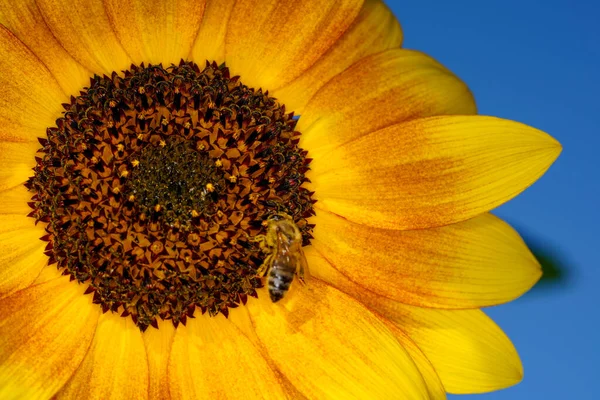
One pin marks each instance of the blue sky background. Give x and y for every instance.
(537, 62)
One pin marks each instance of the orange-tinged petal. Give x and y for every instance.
(469, 352)
(241, 319)
(16, 161)
(212, 359)
(435, 388)
(156, 31)
(21, 253)
(158, 344)
(330, 346)
(210, 42)
(374, 30)
(381, 90)
(24, 20)
(470, 264)
(30, 98)
(431, 171)
(84, 30)
(272, 42)
(45, 332)
(115, 366)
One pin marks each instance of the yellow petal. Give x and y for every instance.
(24, 20)
(21, 253)
(381, 90)
(14, 200)
(16, 161)
(158, 344)
(272, 42)
(435, 388)
(469, 352)
(156, 31)
(374, 30)
(432, 171)
(84, 30)
(212, 359)
(470, 264)
(210, 42)
(30, 98)
(45, 332)
(115, 366)
(330, 347)
(48, 273)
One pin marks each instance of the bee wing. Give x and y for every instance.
(303, 270)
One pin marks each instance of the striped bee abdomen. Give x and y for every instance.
(280, 280)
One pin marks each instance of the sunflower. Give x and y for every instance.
(170, 153)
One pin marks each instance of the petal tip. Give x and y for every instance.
(514, 376)
(550, 145)
(532, 274)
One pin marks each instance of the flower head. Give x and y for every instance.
(199, 240)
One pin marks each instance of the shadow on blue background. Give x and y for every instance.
(557, 273)
(537, 62)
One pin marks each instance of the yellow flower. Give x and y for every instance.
(390, 182)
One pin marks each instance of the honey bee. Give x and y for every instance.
(285, 258)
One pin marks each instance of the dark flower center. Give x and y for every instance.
(174, 182)
(152, 185)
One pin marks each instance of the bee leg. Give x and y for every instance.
(262, 270)
(300, 275)
(257, 238)
(262, 242)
